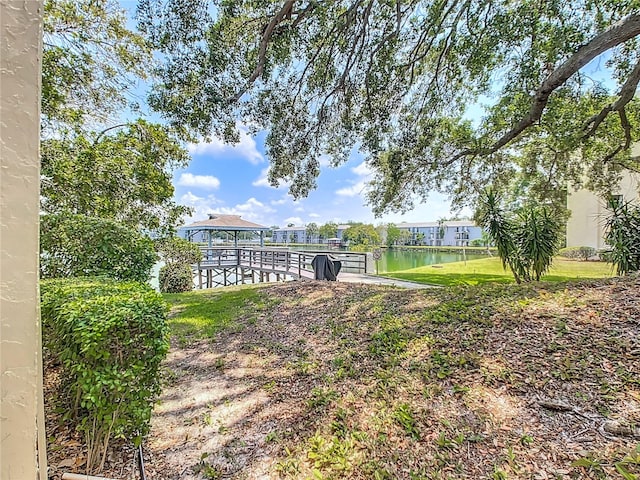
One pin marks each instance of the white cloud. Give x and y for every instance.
(202, 206)
(207, 182)
(262, 181)
(352, 191)
(252, 210)
(246, 148)
(282, 201)
(324, 160)
(251, 205)
(297, 221)
(314, 215)
(362, 170)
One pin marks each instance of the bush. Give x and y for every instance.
(526, 239)
(578, 253)
(77, 246)
(175, 278)
(179, 250)
(110, 339)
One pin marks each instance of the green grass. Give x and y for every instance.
(202, 314)
(486, 270)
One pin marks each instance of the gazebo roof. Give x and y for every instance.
(227, 223)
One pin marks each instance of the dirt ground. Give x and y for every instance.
(325, 383)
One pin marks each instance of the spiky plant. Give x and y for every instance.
(622, 234)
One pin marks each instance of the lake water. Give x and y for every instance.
(396, 259)
(393, 260)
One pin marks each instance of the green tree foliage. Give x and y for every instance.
(178, 250)
(399, 79)
(312, 231)
(393, 234)
(622, 236)
(328, 230)
(361, 235)
(91, 62)
(123, 174)
(79, 246)
(526, 240)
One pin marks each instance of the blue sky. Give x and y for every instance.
(232, 179)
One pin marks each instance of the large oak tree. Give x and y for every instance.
(400, 80)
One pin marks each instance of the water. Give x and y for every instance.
(393, 260)
(396, 259)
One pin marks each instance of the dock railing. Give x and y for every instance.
(296, 263)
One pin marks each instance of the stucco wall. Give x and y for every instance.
(588, 211)
(22, 447)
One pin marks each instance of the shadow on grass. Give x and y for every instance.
(335, 377)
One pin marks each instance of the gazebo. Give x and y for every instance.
(223, 223)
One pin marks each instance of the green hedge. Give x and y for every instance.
(175, 278)
(110, 338)
(578, 253)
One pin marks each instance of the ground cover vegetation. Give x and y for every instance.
(335, 380)
(400, 80)
(490, 270)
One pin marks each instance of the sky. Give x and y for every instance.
(232, 179)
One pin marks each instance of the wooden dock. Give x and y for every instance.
(222, 266)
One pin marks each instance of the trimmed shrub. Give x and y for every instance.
(110, 339)
(175, 278)
(578, 253)
(78, 246)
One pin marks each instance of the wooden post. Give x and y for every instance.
(200, 276)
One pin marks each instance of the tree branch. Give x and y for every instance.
(627, 91)
(626, 29)
(286, 10)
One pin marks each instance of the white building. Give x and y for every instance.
(454, 233)
(585, 227)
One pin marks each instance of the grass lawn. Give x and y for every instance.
(485, 270)
(202, 314)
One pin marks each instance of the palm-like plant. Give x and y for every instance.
(526, 241)
(500, 231)
(622, 234)
(537, 237)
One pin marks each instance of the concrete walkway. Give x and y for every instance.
(375, 280)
